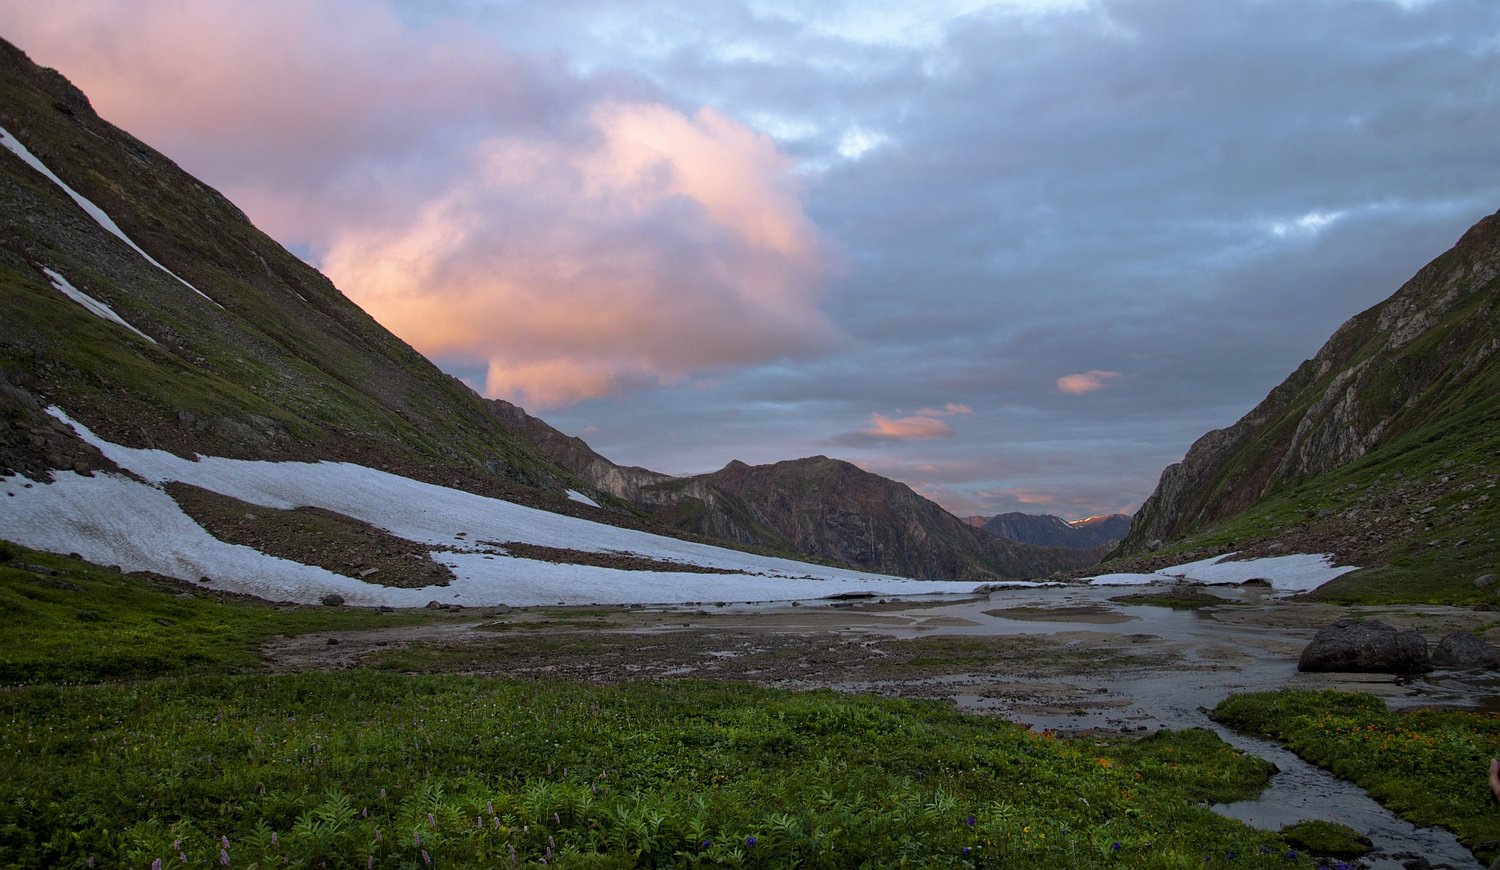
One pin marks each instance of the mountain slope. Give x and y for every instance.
(234, 347)
(818, 507)
(1384, 448)
(1051, 531)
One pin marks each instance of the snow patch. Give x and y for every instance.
(94, 306)
(1302, 572)
(87, 205)
(111, 519)
(575, 495)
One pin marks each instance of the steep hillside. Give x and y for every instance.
(1383, 449)
(1051, 531)
(147, 305)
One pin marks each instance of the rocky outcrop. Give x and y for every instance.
(1431, 347)
(1365, 646)
(1463, 651)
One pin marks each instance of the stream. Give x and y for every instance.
(1216, 659)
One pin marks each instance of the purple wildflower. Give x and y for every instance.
(431, 821)
(224, 857)
(182, 856)
(966, 850)
(370, 864)
(1115, 845)
(491, 806)
(969, 821)
(275, 841)
(377, 835)
(426, 858)
(416, 839)
(750, 842)
(224, 841)
(156, 864)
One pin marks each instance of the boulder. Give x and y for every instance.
(1484, 581)
(1365, 646)
(333, 599)
(1463, 651)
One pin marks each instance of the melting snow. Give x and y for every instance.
(111, 519)
(93, 305)
(87, 205)
(1296, 573)
(575, 495)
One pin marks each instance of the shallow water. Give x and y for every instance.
(1219, 659)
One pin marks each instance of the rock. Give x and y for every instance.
(1365, 646)
(1484, 581)
(333, 599)
(1463, 651)
(433, 605)
(369, 572)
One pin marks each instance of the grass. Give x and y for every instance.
(363, 766)
(1428, 766)
(69, 621)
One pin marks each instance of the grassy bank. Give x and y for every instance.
(1428, 766)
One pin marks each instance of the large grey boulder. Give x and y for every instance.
(1365, 646)
(1463, 651)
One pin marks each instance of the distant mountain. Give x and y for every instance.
(818, 507)
(1045, 530)
(1384, 448)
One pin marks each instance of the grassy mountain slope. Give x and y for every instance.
(1384, 449)
(276, 363)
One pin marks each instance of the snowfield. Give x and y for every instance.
(1298, 573)
(114, 520)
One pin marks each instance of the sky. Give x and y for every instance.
(1017, 254)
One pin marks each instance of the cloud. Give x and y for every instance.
(571, 236)
(661, 245)
(948, 410)
(1085, 382)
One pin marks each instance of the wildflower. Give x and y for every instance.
(431, 821)
(551, 844)
(275, 841)
(966, 850)
(382, 792)
(1115, 845)
(182, 856)
(370, 864)
(750, 842)
(224, 857)
(156, 864)
(703, 845)
(426, 858)
(416, 839)
(490, 805)
(557, 819)
(377, 835)
(224, 842)
(1292, 855)
(969, 821)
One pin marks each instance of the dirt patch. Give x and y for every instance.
(617, 561)
(314, 536)
(1178, 599)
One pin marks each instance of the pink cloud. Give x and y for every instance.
(906, 428)
(1085, 382)
(570, 235)
(949, 410)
